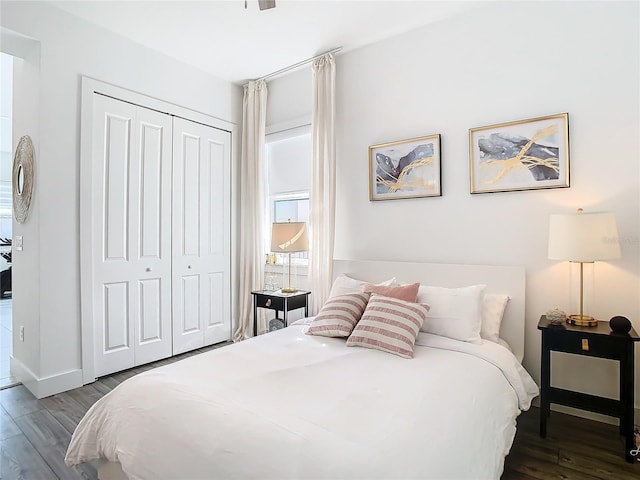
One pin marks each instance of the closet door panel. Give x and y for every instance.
(114, 307)
(216, 220)
(132, 231)
(201, 235)
(187, 327)
(151, 226)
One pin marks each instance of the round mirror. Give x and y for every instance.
(20, 185)
(23, 178)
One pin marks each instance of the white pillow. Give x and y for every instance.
(492, 311)
(455, 312)
(345, 284)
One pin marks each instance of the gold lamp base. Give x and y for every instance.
(289, 290)
(582, 321)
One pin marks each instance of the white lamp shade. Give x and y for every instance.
(289, 237)
(583, 237)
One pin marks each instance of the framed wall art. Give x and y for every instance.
(405, 169)
(523, 155)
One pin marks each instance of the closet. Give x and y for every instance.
(159, 226)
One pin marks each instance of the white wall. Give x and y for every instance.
(506, 61)
(25, 271)
(289, 100)
(70, 48)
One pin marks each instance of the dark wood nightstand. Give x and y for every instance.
(599, 342)
(280, 302)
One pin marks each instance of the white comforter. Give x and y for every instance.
(292, 406)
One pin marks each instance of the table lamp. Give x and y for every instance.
(583, 238)
(289, 237)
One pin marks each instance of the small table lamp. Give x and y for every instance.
(289, 237)
(583, 238)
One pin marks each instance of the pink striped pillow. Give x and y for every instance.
(339, 315)
(390, 325)
(408, 293)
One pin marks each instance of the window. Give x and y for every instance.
(295, 208)
(288, 179)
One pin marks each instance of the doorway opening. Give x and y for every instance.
(6, 219)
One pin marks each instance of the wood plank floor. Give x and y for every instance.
(34, 435)
(575, 448)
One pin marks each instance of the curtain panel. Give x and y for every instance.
(323, 183)
(251, 221)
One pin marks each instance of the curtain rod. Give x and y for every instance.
(296, 65)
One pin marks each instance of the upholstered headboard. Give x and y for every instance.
(498, 279)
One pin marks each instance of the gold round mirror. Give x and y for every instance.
(23, 178)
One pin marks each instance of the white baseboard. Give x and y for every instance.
(46, 386)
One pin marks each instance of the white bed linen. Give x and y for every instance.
(290, 405)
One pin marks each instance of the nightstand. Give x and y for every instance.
(599, 342)
(280, 302)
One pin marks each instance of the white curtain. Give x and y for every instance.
(323, 182)
(251, 217)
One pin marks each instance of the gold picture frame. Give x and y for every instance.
(405, 169)
(527, 154)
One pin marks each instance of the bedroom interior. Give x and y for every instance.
(473, 65)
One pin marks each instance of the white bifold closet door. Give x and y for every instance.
(201, 235)
(160, 235)
(131, 226)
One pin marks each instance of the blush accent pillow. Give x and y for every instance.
(493, 308)
(455, 312)
(345, 284)
(408, 293)
(339, 315)
(390, 325)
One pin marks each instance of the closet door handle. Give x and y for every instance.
(148, 269)
(189, 266)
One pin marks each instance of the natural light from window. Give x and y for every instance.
(288, 179)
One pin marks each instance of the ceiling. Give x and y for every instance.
(236, 44)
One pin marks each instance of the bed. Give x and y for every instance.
(287, 405)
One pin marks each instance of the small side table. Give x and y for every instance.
(599, 342)
(280, 302)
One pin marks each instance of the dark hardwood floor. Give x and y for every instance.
(575, 448)
(34, 435)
